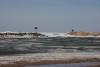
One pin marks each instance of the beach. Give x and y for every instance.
(47, 58)
(48, 51)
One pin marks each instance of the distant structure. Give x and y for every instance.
(73, 30)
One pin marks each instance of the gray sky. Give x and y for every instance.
(50, 15)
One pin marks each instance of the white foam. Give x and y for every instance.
(53, 34)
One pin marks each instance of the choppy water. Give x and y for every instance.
(44, 45)
(49, 45)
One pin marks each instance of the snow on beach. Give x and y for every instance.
(46, 56)
(8, 34)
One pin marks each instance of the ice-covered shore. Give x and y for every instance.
(37, 57)
(42, 34)
(55, 34)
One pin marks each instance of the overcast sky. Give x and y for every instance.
(50, 15)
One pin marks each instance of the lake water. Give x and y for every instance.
(49, 45)
(46, 45)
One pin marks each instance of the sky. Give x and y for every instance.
(50, 15)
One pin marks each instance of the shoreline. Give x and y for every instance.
(47, 62)
(46, 58)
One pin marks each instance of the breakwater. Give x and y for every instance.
(19, 35)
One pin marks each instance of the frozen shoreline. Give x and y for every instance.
(19, 35)
(46, 56)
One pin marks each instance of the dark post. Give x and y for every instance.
(72, 34)
(72, 30)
